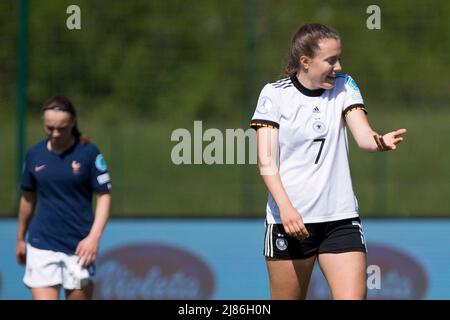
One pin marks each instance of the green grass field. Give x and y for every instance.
(412, 181)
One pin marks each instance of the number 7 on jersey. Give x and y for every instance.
(322, 141)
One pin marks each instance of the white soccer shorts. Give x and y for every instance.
(46, 268)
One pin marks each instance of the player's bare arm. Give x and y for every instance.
(88, 247)
(292, 221)
(26, 210)
(367, 139)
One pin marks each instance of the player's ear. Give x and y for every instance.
(304, 62)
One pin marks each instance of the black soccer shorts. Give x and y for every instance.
(325, 237)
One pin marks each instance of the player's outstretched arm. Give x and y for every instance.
(390, 140)
(369, 140)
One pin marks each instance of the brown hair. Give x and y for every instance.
(64, 104)
(305, 43)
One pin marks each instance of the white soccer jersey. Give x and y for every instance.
(313, 146)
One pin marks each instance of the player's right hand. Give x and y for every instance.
(21, 248)
(293, 223)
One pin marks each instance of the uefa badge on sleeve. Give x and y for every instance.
(352, 83)
(100, 163)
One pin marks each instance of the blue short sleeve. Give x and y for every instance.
(100, 179)
(28, 182)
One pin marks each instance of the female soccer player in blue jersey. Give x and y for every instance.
(312, 211)
(60, 176)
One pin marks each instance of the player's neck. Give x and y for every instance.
(305, 81)
(57, 148)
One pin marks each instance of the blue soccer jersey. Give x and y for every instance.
(64, 184)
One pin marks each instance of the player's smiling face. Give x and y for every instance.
(320, 71)
(58, 126)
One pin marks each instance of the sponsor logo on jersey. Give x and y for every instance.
(76, 166)
(281, 244)
(39, 168)
(100, 163)
(316, 110)
(319, 126)
(264, 105)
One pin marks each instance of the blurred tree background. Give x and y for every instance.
(139, 69)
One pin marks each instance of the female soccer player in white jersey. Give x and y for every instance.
(60, 176)
(312, 211)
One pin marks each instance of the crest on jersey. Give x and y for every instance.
(319, 126)
(264, 105)
(76, 166)
(281, 244)
(352, 83)
(100, 163)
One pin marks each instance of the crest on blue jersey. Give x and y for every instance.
(100, 163)
(352, 83)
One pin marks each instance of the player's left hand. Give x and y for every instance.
(87, 251)
(390, 140)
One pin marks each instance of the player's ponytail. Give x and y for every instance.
(76, 132)
(305, 43)
(63, 103)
